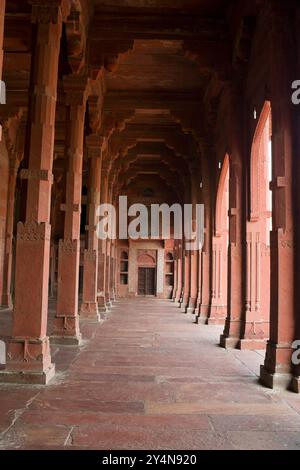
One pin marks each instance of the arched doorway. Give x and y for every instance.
(146, 274)
(259, 225)
(218, 308)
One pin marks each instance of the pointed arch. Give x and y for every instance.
(263, 130)
(220, 196)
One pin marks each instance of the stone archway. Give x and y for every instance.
(258, 236)
(218, 309)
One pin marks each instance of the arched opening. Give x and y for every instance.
(259, 225)
(218, 308)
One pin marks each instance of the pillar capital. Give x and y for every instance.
(50, 11)
(77, 88)
(95, 144)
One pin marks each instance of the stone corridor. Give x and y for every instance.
(146, 378)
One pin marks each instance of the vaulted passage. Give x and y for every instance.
(148, 379)
(149, 219)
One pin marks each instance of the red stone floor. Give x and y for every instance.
(147, 378)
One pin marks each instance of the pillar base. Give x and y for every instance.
(215, 321)
(192, 317)
(277, 380)
(228, 343)
(295, 384)
(203, 314)
(66, 331)
(90, 312)
(190, 310)
(217, 315)
(28, 362)
(66, 340)
(6, 302)
(252, 344)
(28, 378)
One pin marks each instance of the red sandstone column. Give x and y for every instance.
(66, 324)
(194, 258)
(277, 367)
(187, 281)
(175, 270)
(2, 15)
(89, 308)
(109, 249)
(103, 308)
(28, 358)
(194, 282)
(218, 308)
(203, 312)
(296, 369)
(179, 275)
(235, 319)
(6, 299)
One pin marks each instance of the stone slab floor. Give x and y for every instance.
(147, 378)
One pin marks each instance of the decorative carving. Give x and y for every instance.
(69, 246)
(49, 11)
(33, 231)
(90, 255)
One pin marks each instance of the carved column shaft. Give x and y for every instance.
(102, 247)
(29, 357)
(89, 307)
(6, 299)
(179, 275)
(205, 263)
(187, 280)
(66, 325)
(2, 16)
(278, 366)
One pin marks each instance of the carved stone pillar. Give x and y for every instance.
(296, 368)
(194, 282)
(187, 281)
(179, 275)
(2, 16)
(89, 308)
(102, 307)
(218, 308)
(160, 272)
(194, 258)
(277, 368)
(6, 299)
(28, 358)
(66, 324)
(175, 271)
(237, 228)
(203, 312)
